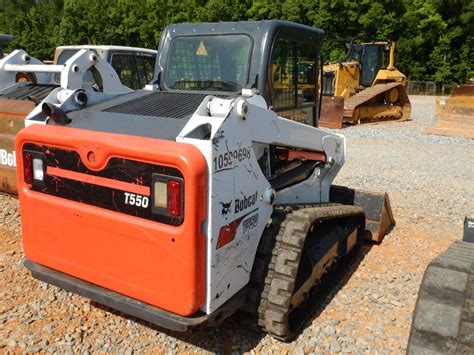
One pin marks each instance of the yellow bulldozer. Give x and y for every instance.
(364, 87)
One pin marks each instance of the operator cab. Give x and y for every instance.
(372, 56)
(278, 59)
(134, 66)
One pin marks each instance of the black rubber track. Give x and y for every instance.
(443, 321)
(276, 267)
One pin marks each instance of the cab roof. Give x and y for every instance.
(254, 28)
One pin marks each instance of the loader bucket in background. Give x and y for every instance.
(456, 113)
(12, 120)
(332, 112)
(376, 205)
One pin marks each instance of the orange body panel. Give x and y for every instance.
(156, 263)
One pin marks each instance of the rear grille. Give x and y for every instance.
(38, 91)
(161, 104)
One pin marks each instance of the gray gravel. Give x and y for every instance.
(431, 187)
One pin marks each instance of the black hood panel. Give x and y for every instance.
(161, 104)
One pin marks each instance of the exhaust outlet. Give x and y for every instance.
(56, 114)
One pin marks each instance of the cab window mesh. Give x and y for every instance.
(126, 68)
(208, 63)
(294, 78)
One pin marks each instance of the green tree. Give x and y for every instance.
(35, 25)
(435, 37)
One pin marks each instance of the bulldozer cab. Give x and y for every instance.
(278, 59)
(372, 57)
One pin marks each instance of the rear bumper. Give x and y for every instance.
(116, 300)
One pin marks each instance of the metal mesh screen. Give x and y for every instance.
(38, 91)
(161, 104)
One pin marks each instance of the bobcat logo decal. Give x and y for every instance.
(226, 207)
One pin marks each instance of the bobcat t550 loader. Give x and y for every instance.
(186, 204)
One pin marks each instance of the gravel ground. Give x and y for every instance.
(431, 187)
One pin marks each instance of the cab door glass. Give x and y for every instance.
(370, 65)
(293, 76)
(283, 75)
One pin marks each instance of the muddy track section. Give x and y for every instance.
(278, 260)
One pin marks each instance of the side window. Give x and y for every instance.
(370, 64)
(385, 57)
(126, 68)
(145, 67)
(356, 52)
(293, 75)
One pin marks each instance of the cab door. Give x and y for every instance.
(293, 77)
(370, 64)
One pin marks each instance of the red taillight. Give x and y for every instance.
(28, 168)
(174, 198)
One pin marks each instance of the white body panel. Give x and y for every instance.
(238, 191)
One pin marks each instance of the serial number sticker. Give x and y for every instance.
(136, 200)
(231, 157)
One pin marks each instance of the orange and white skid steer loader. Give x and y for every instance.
(25, 81)
(183, 205)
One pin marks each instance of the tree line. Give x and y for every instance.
(435, 37)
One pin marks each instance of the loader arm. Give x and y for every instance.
(71, 95)
(19, 61)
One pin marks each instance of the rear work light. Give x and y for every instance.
(38, 169)
(34, 168)
(168, 195)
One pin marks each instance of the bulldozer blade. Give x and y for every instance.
(376, 205)
(332, 112)
(456, 113)
(12, 120)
